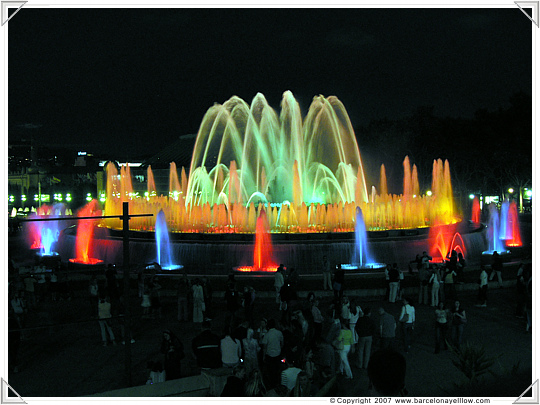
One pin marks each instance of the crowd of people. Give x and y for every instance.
(302, 348)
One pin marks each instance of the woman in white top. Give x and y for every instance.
(482, 293)
(407, 319)
(355, 312)
(435, 281)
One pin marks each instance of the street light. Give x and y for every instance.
(511, 190)
(471, 196)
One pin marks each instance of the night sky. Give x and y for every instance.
(97, 78)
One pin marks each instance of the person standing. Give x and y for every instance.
(289, 375)
(460, 267)
(198, 301)
(441, 327)
(435, 281)
(393, 278)
(279, 281)
(53, 286)
(459, 319)
(449, 286)
(207, 292)
(527, 276)
(104, 316)
(365, 328)
(155, 298)
(251, 352)
(231, 349)
(234, 387)
(496, 266)
(317, 320)
(387, 329)
(19, 309)
(423, 282)
(355, 313)
(182, 295)
(407, 319)
(93, 291)
(327, 274)
(483, 287)
(29, 290)
(339, 283)
(345, 339)
(169, 340)
(206, 347)
(521, 292)
(272, 343)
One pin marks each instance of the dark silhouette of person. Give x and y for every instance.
(386, 372)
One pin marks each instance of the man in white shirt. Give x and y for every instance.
(289, 375)
(407, 318)
(272, 344)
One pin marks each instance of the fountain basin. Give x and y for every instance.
(364, 269)
(218, 254)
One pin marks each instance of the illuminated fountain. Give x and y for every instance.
(306, 175)
(263, 251)
(513, 231)
(43, 235)
(503, 229)
(163, 245)
(247, 157)
(494, 233)
(85, 233)
(445, 239)
(362, 259)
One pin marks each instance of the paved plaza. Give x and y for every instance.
(68, 359)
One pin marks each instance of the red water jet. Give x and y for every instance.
(263, 252)
(513, 226)
(85, 233)
(475, 217)
(445, 239)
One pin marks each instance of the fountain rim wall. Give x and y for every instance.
(463, 227)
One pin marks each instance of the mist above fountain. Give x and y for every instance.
(306, 173)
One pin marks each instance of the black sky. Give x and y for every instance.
(142, 77)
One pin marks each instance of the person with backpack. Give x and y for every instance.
(393, 278)
(407, 319)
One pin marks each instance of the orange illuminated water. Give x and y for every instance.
(307, 175)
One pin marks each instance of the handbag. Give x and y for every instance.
(404, 318)
(338, 344)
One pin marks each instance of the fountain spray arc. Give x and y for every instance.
(306, 174)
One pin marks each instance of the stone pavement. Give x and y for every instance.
(68, 360)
